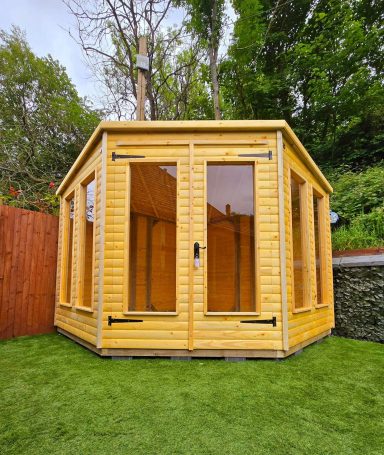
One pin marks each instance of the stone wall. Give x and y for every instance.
(359, 297)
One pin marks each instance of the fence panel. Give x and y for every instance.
(28, 256)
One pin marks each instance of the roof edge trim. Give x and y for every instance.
(194, 125)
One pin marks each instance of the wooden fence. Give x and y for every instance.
(28, 255)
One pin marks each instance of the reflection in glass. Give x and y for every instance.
(230, 237)
(316, 214)
(89, 195)
(298, 283)
(69, 249)
(152, 254)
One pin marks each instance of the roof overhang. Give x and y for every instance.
(194, 126)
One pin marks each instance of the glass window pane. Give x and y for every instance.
(69, 248)
(230, 237)
(89, 195)
(298, 282)
(152, 257)
(316, 214)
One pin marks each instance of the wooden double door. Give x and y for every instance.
(192, 256)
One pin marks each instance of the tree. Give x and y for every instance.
(206, 19)
(109, 32)
(317, 64)
(255, 76)
(337, 73)
(44, 124)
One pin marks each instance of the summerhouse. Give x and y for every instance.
(194, 238)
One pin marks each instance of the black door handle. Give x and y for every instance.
(196, 253)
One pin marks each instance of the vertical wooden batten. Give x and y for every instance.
(103, 186)
(190, 255)
(283, 265)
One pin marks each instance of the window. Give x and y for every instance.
(318, 215)
(230, 238)
(152, 238)
(299, 242)
(69, 212)
(87, 228)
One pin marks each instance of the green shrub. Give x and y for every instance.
(352, 237)
(365, 231)
(357, 193)
(372, 223)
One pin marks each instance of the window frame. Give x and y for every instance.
(305, 242)
(257, 291)
(92, 175)
(126, 285)
(65, 247)
(321, 224)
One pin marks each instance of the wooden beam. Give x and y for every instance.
(282, 240)
(253, 262)
(236, 223)
(190, 256)
(141, 82)
(132, 262)
(187, 141)
(148, 263)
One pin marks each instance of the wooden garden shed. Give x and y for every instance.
(196, 239)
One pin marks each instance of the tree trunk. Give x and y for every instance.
(213, 51)
(215, 82)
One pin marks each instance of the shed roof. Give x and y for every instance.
(195, 126)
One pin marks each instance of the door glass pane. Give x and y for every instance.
(89, 195)
(152, 254)
(298, 282)
(316, 214)
(230, 237)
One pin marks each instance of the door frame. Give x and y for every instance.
(126, 285)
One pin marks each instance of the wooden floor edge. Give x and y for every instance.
(78, 340)
(306, 343)
(198, 353)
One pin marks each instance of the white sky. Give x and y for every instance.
(46, 23)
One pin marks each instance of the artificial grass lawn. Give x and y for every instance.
(58, 398)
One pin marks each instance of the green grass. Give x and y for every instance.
(58, 398)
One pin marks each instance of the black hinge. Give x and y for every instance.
(116, 156)
(258, 155)
(111, 320)
(261, 321)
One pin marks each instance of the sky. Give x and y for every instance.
(46, 23)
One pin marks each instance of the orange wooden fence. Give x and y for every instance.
(28, 255)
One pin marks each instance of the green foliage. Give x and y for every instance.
(44, 201)
(354, 237)
(357, 193)
(372, 223)
(200, 18)
(318, 65)
(337, 74)
(43, 124)
(358, 198)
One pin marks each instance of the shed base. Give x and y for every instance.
(199, 353)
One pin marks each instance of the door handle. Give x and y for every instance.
(196, 253)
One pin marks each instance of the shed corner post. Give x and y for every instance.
(103, 187)
(283, 268)
(59, 266)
